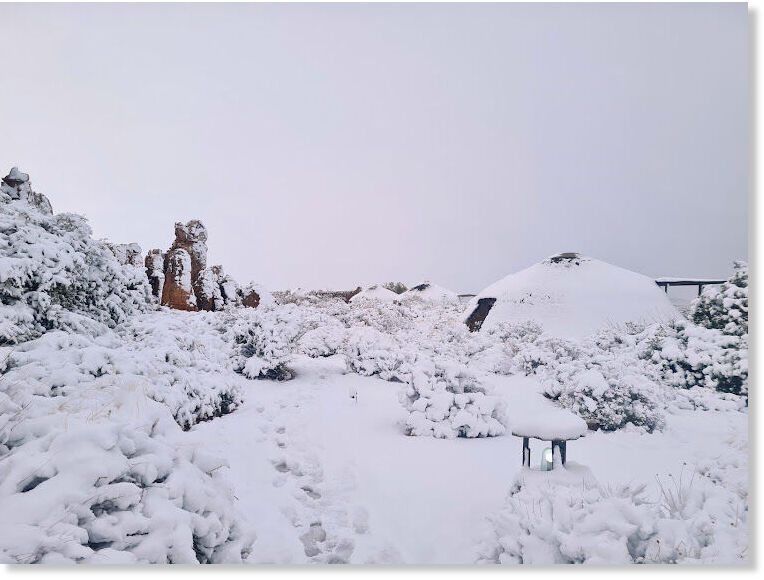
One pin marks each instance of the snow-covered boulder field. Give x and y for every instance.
(358, 427)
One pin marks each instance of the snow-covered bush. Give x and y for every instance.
(724, 308)
(53, 274)
(620, 375)
(397, 287)
(114, 493)
(445, 400)
(185, 356)
(686, 356)
(322, 341)
(176, 359)
(91, 470)
(566, 516)
(370, 352)
(519, 348)
(265, 340)
(606, 393)
(713, 352)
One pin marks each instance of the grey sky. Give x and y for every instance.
(330, 145)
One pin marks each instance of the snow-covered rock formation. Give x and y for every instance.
(16, 186)
(182, 280)
(178, 291)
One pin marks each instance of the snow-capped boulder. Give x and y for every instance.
(571, 296)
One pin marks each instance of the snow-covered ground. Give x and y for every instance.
(375, 431)
(308, 453)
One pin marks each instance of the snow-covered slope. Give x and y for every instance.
(575, 296)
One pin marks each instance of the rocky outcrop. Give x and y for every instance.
(229, 288)
(16, 186)
(177, 291)
(207, 290)
(250, 298)
(182, 279)
(127, 254)
(155, 271)
(192, 237)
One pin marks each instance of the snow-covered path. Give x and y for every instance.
(321, 476)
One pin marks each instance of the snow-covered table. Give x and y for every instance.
(548, 423)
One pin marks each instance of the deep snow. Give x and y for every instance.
(400, 499)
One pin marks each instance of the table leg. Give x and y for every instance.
(526, 453)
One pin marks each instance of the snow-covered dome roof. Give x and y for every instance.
(376, 292)
(571, 296)
(431, 292)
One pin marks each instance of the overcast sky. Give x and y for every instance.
(331, 145)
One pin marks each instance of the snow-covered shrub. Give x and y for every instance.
(53, 274)
(445, 400)
(698, 521)
(91, 472)
(390, 318)
(397, 287)
(607, 393)
(519, 348)
(566, 516)
(114, 493)
(686, 356)
(185, 357)
(325, 340)
(177, 359)
(264, 341)
(370, 352)
(724, 308)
